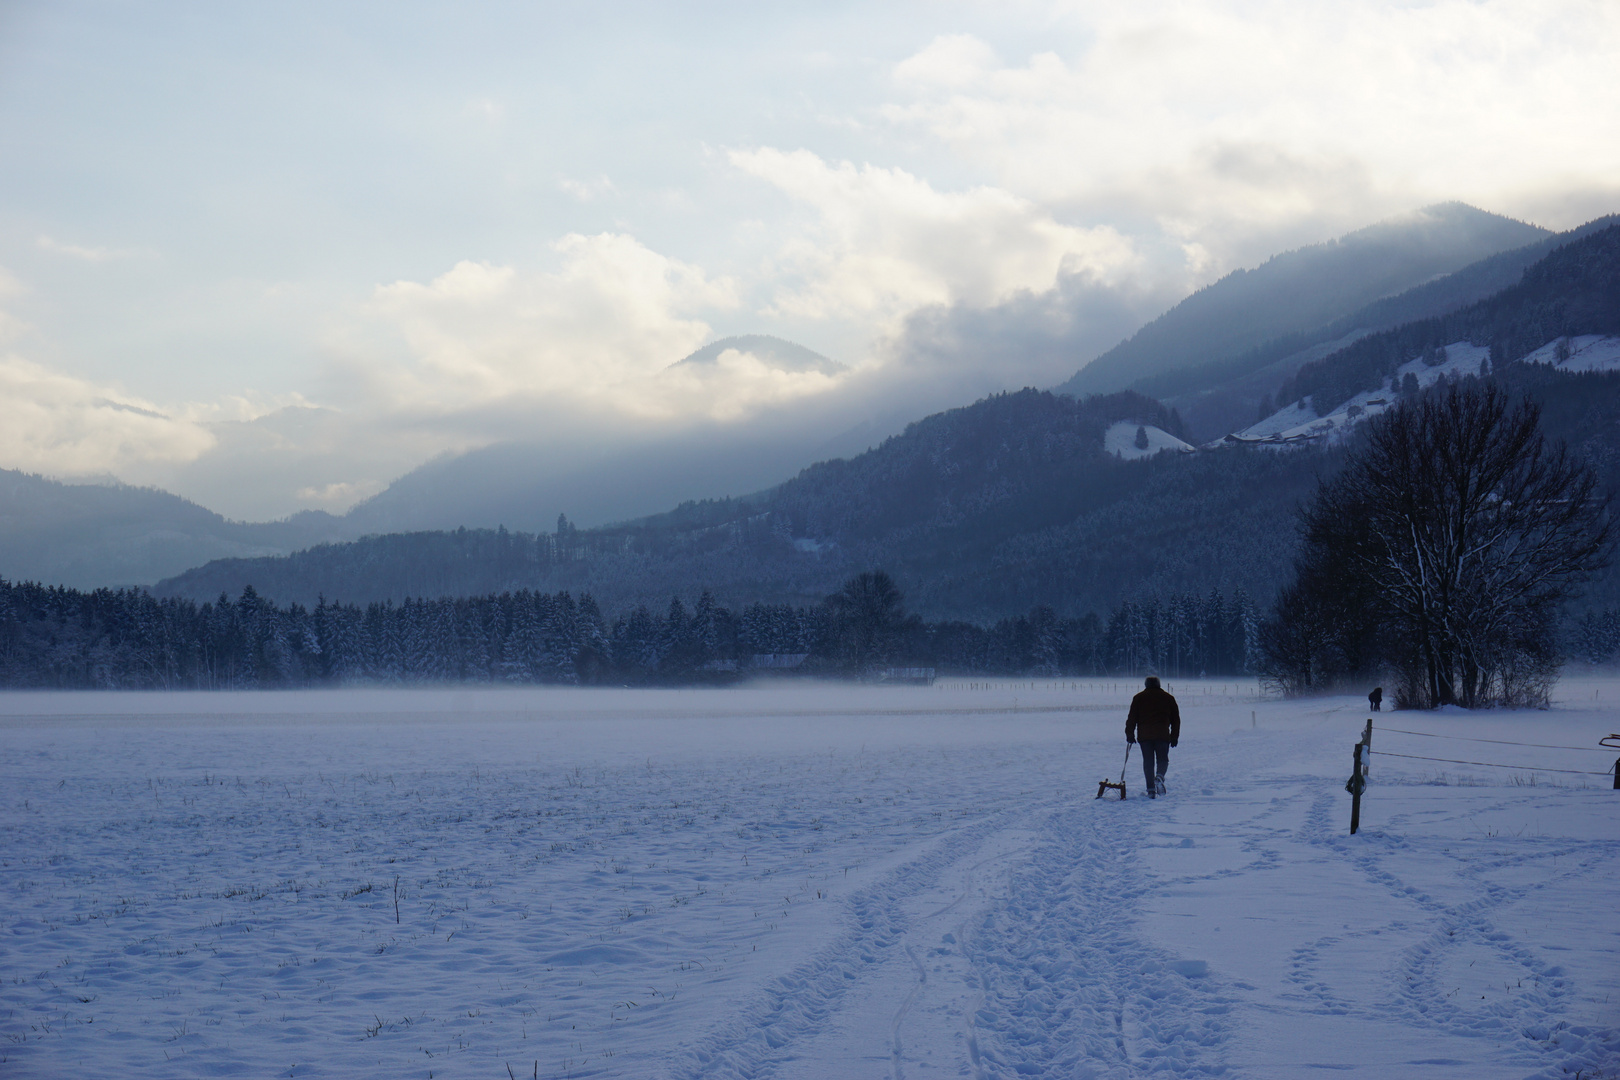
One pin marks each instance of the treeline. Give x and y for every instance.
(55, 637)
(1594, 637)
(1574, 290)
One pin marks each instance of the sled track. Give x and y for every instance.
(1069, 990)
(799, 1004)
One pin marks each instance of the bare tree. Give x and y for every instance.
(1458, 533)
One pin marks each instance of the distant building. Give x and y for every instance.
(911, 676)
(778, 661)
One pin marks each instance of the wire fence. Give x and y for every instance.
(1499, 742)
(1503, 742)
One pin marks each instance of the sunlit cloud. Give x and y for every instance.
(340, 495)
(611, 316)
(56, 423)
(882, 243)
(1213, 119)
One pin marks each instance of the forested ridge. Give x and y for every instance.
(1574, 290)
(1251, 317)
(979, 513)
(1471, 284)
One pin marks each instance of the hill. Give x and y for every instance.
(93, 535)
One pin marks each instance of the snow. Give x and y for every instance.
(1120, 440)
(799, 881)
(1588, 352)
(1298, 423)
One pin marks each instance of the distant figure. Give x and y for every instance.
(1155, 723)
(1376, 698)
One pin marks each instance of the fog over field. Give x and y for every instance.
(799, 881)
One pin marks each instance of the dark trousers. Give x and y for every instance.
(1155, 758)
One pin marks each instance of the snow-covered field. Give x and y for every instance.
(798, 882)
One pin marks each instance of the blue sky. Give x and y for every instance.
(274, 256)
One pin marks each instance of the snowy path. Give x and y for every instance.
(825, 882)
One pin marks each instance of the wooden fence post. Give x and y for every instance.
(1358, 781)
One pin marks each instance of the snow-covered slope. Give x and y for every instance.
(1298, 423)
(1120, 440)
(1587, 352)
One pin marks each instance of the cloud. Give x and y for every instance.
(738, 385)
(612, 316)
(339, 495)
(493, 351)
(587, 190)
(1033, 339)
(59, 424)
(84, 254)
(880, 243)
(1227, 125)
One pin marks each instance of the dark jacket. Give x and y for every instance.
(1154, 715)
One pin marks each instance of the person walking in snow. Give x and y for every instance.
(1376, 698)
(1154, 722)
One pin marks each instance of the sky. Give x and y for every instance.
(272, 257)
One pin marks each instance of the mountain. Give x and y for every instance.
(104, 536)
(1222, 395)
(1574, 290)
(528, 485)
(109, 534)
(1028, 498)
(978, 512)
(94, 535)
(525, 486)
(773, 352)
(1299, 293)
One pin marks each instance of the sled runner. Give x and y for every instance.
(1105, 784)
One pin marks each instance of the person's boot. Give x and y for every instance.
(1158, 785)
